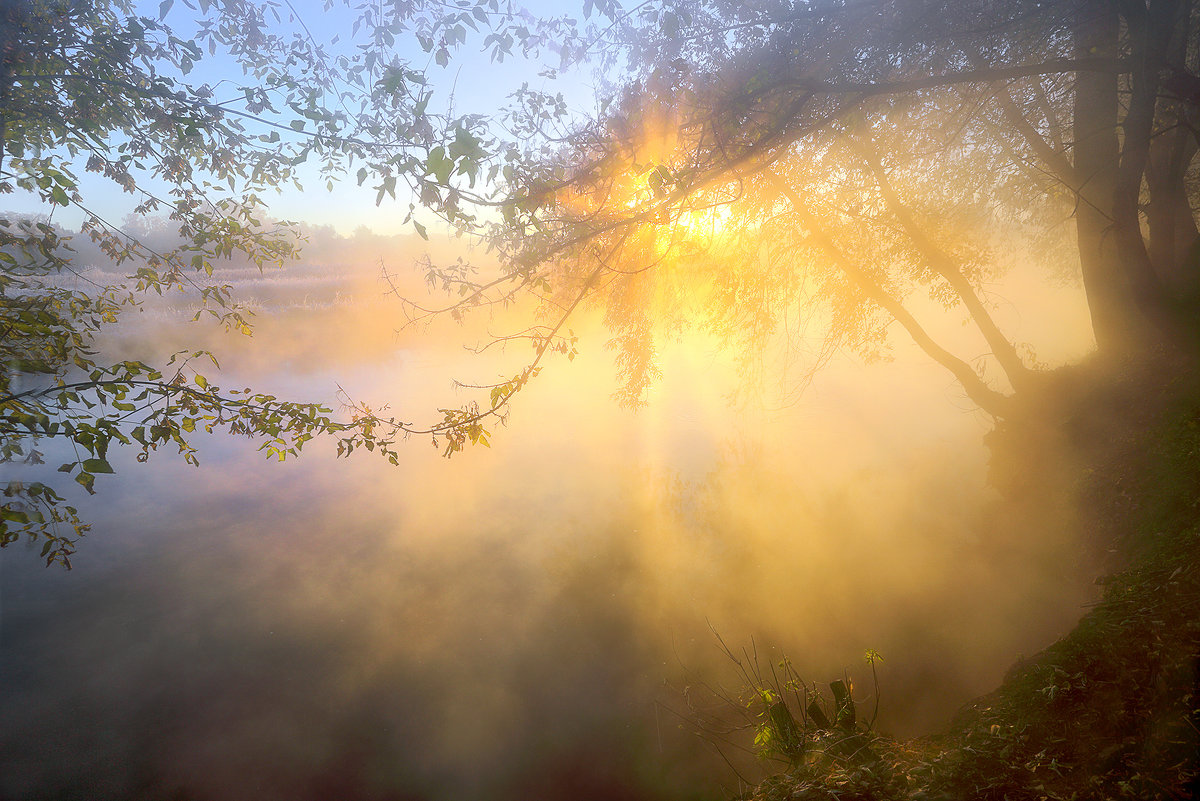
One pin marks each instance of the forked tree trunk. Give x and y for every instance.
(1141, 293)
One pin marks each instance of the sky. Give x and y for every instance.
(472, 82)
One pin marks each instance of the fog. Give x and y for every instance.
(536, 620)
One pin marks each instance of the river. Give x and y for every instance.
(538, 620)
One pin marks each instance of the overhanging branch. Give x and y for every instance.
(940, 261)
(980, 393)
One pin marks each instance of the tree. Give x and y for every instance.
(839, 160)
(94, 86)
(828, 160)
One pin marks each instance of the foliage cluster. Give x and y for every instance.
(201, 114)
(830, 753)
(811, 176)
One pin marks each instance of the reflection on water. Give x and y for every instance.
(514, 623)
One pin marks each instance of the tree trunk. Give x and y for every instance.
(1096, 156)
(1170, 218)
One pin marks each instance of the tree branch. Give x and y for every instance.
(981, 75)
(980, 393)
(940, 261)
(1057, 162)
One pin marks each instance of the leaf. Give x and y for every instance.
(164, 8)
(97, 466)
(421, 230)
(439, 165)
(86, 480)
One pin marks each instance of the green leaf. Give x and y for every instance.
(438, 165)
(86, 480)
(97, 466)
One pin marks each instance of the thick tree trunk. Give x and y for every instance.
(1134, 289)
(1096, 157)
(1170, 219)
(1150, 31)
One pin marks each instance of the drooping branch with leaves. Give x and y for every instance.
(848, 167)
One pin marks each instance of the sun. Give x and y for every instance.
(706, 223)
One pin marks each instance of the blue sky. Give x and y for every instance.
(472, 81)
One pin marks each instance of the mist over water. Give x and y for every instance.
(530, 621)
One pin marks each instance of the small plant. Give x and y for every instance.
(827, 749)
(815, 732)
